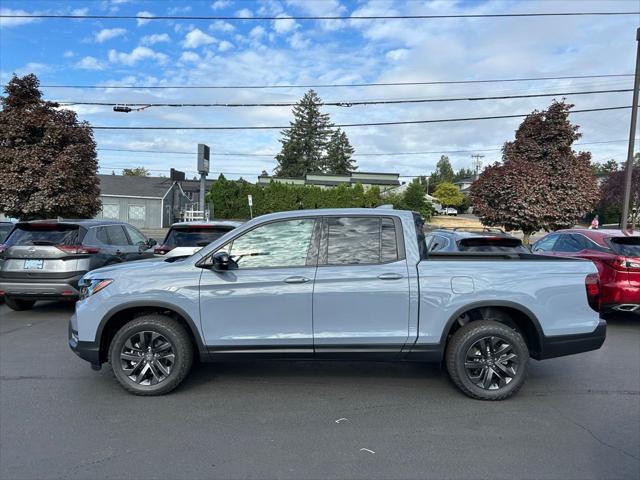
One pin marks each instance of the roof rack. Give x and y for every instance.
(482, 229)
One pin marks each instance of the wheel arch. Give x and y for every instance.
(523, 318)
(117, 317)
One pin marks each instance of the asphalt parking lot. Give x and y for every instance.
(576, 418)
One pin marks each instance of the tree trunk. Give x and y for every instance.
(526, 238)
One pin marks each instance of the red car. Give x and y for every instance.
(616, 254)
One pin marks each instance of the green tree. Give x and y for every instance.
(48, 163)
(449, 195)
(304, 144)
(414, 196)
(444, 172)
(135, 172)
(339, 154)
(542, 183)
(605, 168)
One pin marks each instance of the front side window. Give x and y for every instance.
(276, 244)
(361, 240)
(546, 244)
(136, 237)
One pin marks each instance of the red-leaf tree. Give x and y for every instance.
(48, 164)
(542, 183)
(612, 192)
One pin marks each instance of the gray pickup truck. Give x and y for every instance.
(337, 284)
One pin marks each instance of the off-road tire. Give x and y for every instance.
(458, 348)
(173, 332)
(19, 305)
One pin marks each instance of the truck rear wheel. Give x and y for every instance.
(151, 355)
(487, 360)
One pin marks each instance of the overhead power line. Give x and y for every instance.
(342, 85)
(350, 103)
(371, 154)
(318, 17)
(343, 125)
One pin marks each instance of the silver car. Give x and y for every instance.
(44, 259)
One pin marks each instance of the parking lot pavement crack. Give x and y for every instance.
(594, 436)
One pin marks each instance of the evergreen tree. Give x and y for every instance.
(339, 152)
(444, 172)
(304, 144)
(48, 164)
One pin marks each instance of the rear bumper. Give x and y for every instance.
(561, 345)
(89, 351)
(42, 288)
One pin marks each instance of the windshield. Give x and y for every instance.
(194, 236)
(45, 234)
(4, 231)
(626, 246)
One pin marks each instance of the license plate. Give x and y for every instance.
(33, 264)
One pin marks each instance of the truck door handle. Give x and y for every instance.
(390, 276)
(118, 252)
(296, 280)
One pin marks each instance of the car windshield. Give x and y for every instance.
(626, 246)
(489, 244)
(4, 231)
(199, 236)
(45, 234)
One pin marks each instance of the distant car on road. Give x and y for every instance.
(5, 229)
(451, 211)
(616, 255)
(473, 240)
(44, 259)
(186, 238)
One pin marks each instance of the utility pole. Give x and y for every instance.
(203, 169)
(632, 136)
(477, 163)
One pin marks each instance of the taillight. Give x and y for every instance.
(624, 264)
(162, 250)
(632, 264)
(592, 283)
(77, 249)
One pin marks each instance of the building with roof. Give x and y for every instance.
(367, 179)
(464, 184)
(147, 202)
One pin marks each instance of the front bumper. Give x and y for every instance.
(561, 345)
(89, 351)
(41, 288)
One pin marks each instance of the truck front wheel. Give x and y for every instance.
(151, 355)
(487, 360)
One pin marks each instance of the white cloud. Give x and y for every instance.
(225, 45)
(136, 55)
(69, 54)
(217, 5)
(244, 13)
(108, 33)
(14, 22)
(298, 41)
(257, 32)
(80, 11)
(142, 21)
(397, 54)
(90, 63)
(155, 38)
(286, 25)
(222, 26)
(196, 38)
(189, 56)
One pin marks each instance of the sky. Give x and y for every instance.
(289, 52)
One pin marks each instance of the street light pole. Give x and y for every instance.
(632, 136)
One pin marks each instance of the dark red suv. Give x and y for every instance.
(616, 254)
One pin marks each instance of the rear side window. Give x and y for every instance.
(4, 231)
(112, 235)
(46, 234)
(361, 240)
(194, 236)
(571, 243)
(626, 246)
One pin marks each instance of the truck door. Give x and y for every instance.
(265, 305)
(361, 291)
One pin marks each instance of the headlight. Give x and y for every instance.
(90, 287)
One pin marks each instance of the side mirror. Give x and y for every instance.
(152, 242)
(222, 261)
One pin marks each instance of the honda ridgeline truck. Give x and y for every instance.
(337, 284)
